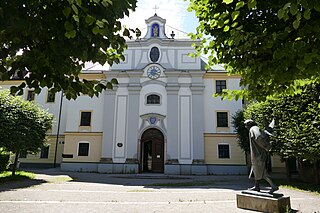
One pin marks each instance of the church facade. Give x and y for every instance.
(161, 117)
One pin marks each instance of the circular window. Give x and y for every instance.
(154, 54)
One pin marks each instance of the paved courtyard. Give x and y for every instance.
(55, 191)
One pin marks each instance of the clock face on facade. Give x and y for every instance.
(153, 72)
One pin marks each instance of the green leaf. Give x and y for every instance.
(100, 23)
(89, 20)
(307, 14)
(66, 11)
(308, 58)
(114, 81)
(76, 18)
(95, 30)
(281, 13)
(227, 1)
(252, 4)
(75, 9)
(226, 28)
(235, 15)
(294, 9)
(126, 32)
(239, 5)
(106, 3)
(296, 24)
(78, 2)
(68, 26)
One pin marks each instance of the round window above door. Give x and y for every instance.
(154, 54)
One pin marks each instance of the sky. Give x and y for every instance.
(178, 19)
(174, 11)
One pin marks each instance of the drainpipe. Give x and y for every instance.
(57, 138)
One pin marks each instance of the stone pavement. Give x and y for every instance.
(55, 191)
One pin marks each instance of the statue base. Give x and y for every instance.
(263, 202)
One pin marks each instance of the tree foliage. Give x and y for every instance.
(51, 39)
(241, 130)
(297, 127)
(23, 124)
(271, 44)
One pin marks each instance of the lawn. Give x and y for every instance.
(298, 185)
(20, 175)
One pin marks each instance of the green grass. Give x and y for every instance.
(20, 175)
(297, 185)
(183, 184)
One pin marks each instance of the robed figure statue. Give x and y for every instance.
(259, 150)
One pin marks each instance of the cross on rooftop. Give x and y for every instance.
(155, 8)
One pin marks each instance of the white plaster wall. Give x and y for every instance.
(211, 105)
(85, 103)
(157, 89)
(187, 62)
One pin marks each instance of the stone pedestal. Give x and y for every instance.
(270, 203)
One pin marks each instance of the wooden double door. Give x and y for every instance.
(152, 151)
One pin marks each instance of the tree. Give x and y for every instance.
(23, 125)
(241, 130)
(47, 42)
(271, 44)
(297, 126)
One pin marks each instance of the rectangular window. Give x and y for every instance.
(30, 95)
(224, 150)
(220, 85)
(83, 149)
(51, 97)
(85, 119)
(222, 119)
(44, 152)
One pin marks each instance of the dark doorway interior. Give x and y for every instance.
(152, 151)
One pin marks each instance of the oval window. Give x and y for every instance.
(154, 54)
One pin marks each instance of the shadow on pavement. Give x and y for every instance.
(153, 180)
(12, 185)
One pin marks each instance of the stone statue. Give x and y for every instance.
(259, 148)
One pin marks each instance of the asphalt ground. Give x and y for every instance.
(56, 191)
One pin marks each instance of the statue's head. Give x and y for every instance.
(249, 123)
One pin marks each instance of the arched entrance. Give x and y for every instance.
(152, 151)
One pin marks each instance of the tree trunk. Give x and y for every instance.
(316, 172)
(15, 163)
(288, 173)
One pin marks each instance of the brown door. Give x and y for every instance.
(157, 156)
(152, 151)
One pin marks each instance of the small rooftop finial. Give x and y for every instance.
(155, 9)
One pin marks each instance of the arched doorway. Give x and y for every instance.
(152, 151)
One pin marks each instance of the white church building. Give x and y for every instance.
(161, 117)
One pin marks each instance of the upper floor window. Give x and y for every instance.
(220, 85)
(223, 151)
(30, 95)
(222, 119)
(50, 97)
(85, 119)
(153, 99)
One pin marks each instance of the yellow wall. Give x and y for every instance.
(52, 148)
(72, 140)
(211, 141)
